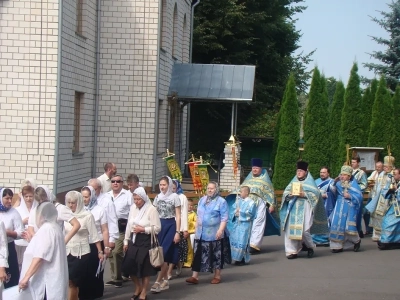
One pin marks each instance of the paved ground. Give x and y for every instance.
(368, 274)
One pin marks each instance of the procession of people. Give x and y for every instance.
(58, 251)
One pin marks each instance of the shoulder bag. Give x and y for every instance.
(156, 251)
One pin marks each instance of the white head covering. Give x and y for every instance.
(142, 194)
(77, 197)
(46, 212)
(50, 196)
(167, 195)
(93, 198)
(23, 209)
(28, 181)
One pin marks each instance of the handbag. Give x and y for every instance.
(156, 251)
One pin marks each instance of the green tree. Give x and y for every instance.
(390, 58)
(287, 152)
(381, 130)
(367, 103)
(335, 115)
(331, 83)
(350, 129)
(316, 127)
(395, 145)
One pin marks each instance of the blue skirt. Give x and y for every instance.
(166, 240)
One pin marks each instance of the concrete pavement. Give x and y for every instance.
(367, 274)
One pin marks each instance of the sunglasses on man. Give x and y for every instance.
(117, 181)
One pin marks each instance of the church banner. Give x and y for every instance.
(204, 177)
(173, 167)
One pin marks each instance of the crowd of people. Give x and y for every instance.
(58, 251)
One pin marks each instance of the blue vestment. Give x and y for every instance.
(241, 229)
(344, 217)
(391, 223)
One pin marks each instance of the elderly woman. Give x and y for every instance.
(137, 243)
(24, 209)
(168, 206)
(3, 256)
(93, 285)
(45, 262)
(14, 229)
(211, 245)
(78, 248)
(43, 194)
(16, 201)
(183, 244)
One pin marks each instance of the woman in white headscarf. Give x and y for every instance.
(93, 285)
(3, 256)
(168, 206)
(44, 269)
(137, 243)
(43, 194)
(16, 201)
(78, 248)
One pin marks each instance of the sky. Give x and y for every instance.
(340, 30)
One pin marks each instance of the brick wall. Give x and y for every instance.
(28, 74)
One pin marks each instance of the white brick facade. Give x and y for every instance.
(131, 64)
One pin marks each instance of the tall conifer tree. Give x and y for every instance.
(351, 127)
(381, 130)
(395, 145)
(316, 127)
(287, 151)
(334, 122)
(367, 103)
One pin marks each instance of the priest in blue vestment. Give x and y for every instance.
(323, 184)
(241, 223)
(302, 213)
(390, 235)
(343, 230)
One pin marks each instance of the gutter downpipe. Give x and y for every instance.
(97, 95)
(156, 121)
(58, 96)
(189, 104)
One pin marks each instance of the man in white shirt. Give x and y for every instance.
(110, 169)
(122, 200)
(104, 200)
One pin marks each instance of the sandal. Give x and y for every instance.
(155, 288)
(136, 297)
(215, 280)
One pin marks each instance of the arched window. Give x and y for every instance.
(164, 24)
(175, 42)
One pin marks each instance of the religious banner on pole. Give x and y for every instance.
(194, 172)
(204, 177)
(173, 166)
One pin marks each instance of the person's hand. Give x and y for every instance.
(23, 284)
(111, 245)
(219, 234)
(346, 195)
(3, 274)
(125, 248)
(185, 234)
(107, 251)
(237, 212)
(25, 221)
(302, 195)
(26, 236)
(177, 238)
(101, 256)
(271, 209)
(138, 229)
(337, 179)
(325, 195)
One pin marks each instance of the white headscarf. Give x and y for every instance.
(142, 194)
(23, 209)
(46, 212)
(75, 196)
(28, 181)
(167, 195)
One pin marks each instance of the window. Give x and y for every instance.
(185, 41)
(79, 17)
(77, 121)
(175, 33)
(164, 24)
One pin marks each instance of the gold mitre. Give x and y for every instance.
(388, 161)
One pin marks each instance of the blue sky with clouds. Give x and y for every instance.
(340, 30)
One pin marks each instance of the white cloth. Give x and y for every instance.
(78, 245)
(3, 246)
(24, 213)
(122, 203)
(184, 212)
(105, 183)
(258, 227)
(104, 200)
(294, 246)
(64, 215)
(100, 218)
(52, 275)
(349, 241)
(12, 221)
(149, 218)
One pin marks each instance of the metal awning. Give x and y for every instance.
(210, 83)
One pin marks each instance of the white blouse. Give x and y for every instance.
(184, 212)
(64, 215)
(100, 218)
(150, 218)
(87, 234)
(12, 221)
(3, 247)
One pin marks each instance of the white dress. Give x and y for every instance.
(52, 275)
(3, 252)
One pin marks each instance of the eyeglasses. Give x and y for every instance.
(117, 181)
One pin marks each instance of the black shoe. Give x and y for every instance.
(254, 251)
(357, 246)
(118, 284)
(304, 248)
(310, 253)
(240, 263)
(292, 256)
(361, 234)
(337, 250)
(322, 245)
(110, 283)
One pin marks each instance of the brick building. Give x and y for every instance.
(84, 82)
